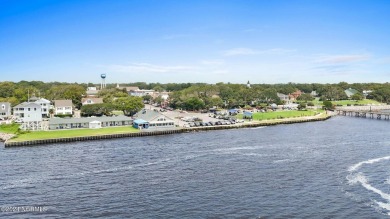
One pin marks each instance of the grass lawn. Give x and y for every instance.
(282, 114)
(352, 102)
(9, 128)
(39, 135)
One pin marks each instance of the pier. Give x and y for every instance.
(364, 114)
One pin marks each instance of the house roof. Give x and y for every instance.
(93, 99)
(128, 89)
(62, 103)
(56, 121)
(149, 115)
(27, 104)
(5, 103)
(350, 92)
(140, 121)
(42, 100)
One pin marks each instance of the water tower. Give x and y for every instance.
(103, 85)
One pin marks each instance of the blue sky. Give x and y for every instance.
(210, 41)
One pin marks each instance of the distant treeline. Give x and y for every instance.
(193, 95)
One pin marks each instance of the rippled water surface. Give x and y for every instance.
(333, 169)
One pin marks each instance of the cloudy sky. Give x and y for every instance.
(278, 41)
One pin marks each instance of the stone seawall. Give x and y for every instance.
(152, 133)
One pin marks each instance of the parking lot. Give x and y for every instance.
(177, 115)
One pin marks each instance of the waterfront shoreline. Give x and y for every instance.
(252, 124)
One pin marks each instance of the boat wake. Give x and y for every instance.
(356, 176)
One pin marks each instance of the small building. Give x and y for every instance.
(91, 100)
(284, 97)
(5, 110)
(140, 124)
(247, 115)
(92, 91)
(63, 107)
(95, 124)
(155, 119)
(85, 122)
(141, 93)
(295, 95)
(350, 92)
(233, 111)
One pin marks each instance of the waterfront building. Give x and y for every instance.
(5, 110)
(45, 106)
(140, 124)
(29, 115)
(89, 122)
(63, 107)
(153, 119)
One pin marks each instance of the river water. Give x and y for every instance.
(337, 168)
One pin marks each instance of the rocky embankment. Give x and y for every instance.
(5, 136)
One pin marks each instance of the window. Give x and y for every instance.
(35, 109)
(3, 107)
(29, 109)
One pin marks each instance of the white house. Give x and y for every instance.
(29, 115)
(284, 97)
(63, 107)
(28, 111)
(5, 110)
(45, 106)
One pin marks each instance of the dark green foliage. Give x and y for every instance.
(305, 97)
(302, 106)
(97, 109)
(129, 105)
(328, 104)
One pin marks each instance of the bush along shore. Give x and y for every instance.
(10, 143)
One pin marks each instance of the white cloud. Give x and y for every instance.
(240, 51)
(249, 51)
(213, 62)
(339, 59)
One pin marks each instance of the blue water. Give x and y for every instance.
(338, 168)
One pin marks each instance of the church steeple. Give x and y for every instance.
(248, 84)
